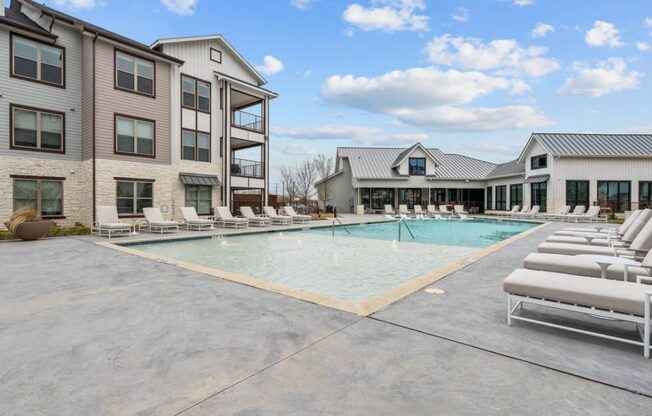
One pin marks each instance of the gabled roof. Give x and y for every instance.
(159, 42)
(378, 162)
(513, 168)
(96, 29)
(593, 145)
(407, 152)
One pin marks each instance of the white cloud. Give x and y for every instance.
(541, 30)
(461, 14)
(522, 3)
(302, 4)
(603, 34)
(647, 22)
(388, 15)
(606, 77)
(180, 7)
(270, 66)
(643, 46)
(504, 55)
(296, 149)
(640, 130)
(362, 135)
(431, 98)
(76, 4)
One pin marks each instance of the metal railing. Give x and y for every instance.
(248, 121)
(400, 223)
(248, 168)
(343, 226)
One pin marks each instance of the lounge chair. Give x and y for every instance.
(460, 212)
(559, 215)
(155, 223)
(108, 224)
(606, 230)
(296, 218)
(445, 213)
(389, 211)
(418, 212)
(601, 298)
(254, 221)
(531, 213)
(191, 220)
(523, 211)
(275, 218)
(224, 218)
(589, 216)
(607, 240)
(586, 266)
(510, 213)
(431, 210)
(641, 244)
(403, 210)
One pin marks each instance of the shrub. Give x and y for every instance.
(21, 215)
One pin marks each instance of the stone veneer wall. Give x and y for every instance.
(76, 202)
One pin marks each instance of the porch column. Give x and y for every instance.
(226, 189)
(265, 150)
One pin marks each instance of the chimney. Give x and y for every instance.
(2, 8)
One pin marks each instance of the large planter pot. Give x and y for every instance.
(34, 230)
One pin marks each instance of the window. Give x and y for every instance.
(539, 194)
(501, 197)
(381, 197)
(196, 94)
(199, 197)
(437, 195)
(539, 162)
(515, 195)
(490, 194)
(133, 195)
(644, 195)
(43, 194)
(216, 56)
(134, 74)
(577, 193)
(411, 197)
(134, 136)
(417, 166)
(36, 129)
(37, 61)
(196, 146)
(614, 195)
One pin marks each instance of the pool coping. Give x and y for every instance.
(364, 308)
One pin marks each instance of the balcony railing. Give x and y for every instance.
(248, 168)
(248, 121)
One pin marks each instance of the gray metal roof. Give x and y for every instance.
(194, 179)
(377, 162)
(537, 179)
(597, 145)
(512, 168)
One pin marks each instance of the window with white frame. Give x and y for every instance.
(134, 136)
(37, 61)
(134, 74)
(37, 129)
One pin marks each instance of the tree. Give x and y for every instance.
(325, 167)
(289, 182)
(305, 176)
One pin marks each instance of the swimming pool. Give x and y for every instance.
(353, 267)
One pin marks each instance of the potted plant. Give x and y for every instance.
(27, 224)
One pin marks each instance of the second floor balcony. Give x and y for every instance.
(247, 168)
(248, 121)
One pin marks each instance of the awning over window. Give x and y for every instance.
(537, 179)
(193, 179)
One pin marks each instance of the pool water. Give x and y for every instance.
(351, 267)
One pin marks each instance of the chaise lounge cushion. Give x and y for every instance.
(116, 226)
(624, 297)
(580, 266)
(602, 242)
(574, 249)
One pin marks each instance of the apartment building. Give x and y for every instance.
(553, 170)
(89, 117)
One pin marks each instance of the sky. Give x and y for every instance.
(469, 77)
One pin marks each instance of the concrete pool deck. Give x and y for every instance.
(88, 330)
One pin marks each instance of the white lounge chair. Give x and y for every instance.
(559, 215)
(418, 212)
(403, 210)
(107, 223)
(224, 218)
(254, 221)
(432, 211)
(531, 213)
(459, 210)
(191, 220)
(296, 218)
(510, 213)
(155, 223)
(445, 213)
(275, 218)
(389, 211)
(523, 211)
(601, 298)
(605, 230)
(589, 216)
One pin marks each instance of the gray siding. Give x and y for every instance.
(33, 94)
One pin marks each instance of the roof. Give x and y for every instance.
(100, 31)
(377, 163)
(195, 179)
(405, 153)
(512, 168)
(16, 19)
(537, 179)
(595, 145)
(159, 42)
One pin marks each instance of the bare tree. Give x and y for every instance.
(305, 176)
(289, 182)
(325, 166)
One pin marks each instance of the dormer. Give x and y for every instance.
(415, 161)
(536, 157)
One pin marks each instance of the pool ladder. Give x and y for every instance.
(401, 222)
(343, 226)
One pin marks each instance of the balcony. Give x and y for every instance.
(248, 121)
(246, 168)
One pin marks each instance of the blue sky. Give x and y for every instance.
(471, 77)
